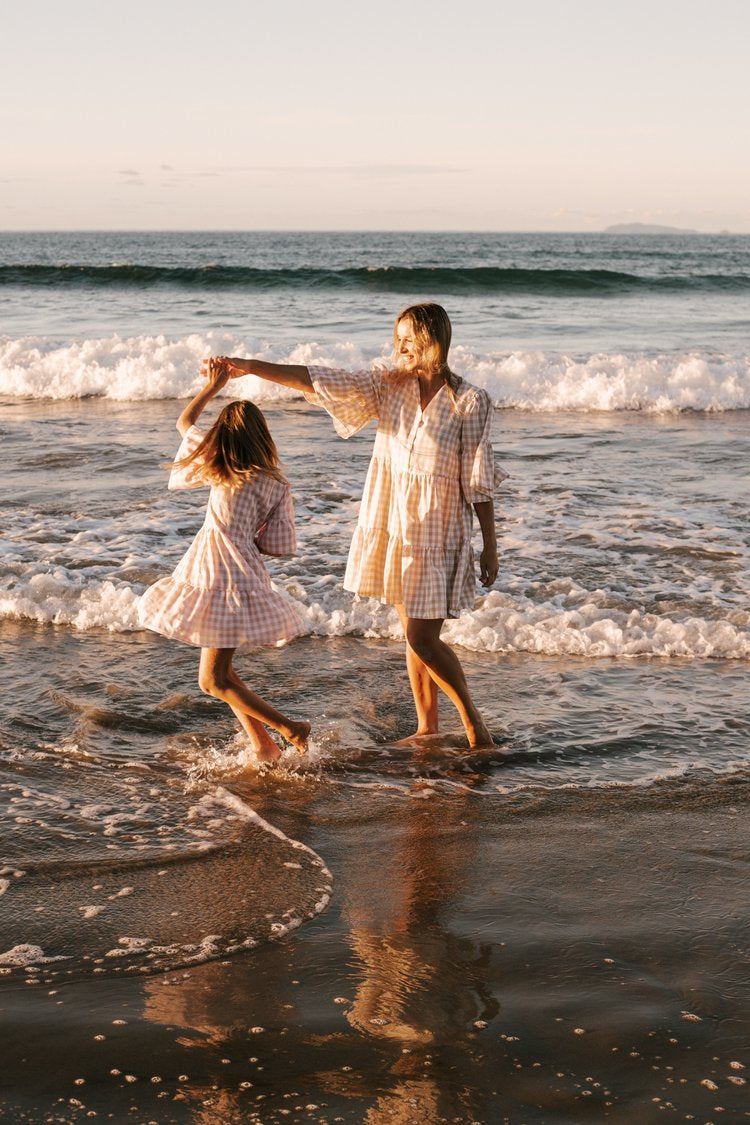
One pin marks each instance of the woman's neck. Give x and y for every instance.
(429, 385)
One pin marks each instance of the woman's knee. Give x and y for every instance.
(423, 641)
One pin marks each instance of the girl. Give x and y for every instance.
(220, 594)
(431, 464)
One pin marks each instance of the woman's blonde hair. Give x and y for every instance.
(432, 336)
(236, 448)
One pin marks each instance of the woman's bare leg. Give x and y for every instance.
(423, 686)
(423, 637)
(218, 678)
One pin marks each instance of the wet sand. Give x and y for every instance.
(580, 958)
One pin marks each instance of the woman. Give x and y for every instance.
(431, 464)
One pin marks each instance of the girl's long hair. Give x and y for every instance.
(236, 448)
(432, 335)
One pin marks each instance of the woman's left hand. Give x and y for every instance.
(488, 565)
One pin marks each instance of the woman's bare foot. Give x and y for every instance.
(479, 737)
(412, 738)
(298, 734)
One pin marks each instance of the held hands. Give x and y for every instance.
(215, 372)
(488, 565)
(220, 368)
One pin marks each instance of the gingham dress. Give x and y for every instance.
(220, 594)
(412, 544)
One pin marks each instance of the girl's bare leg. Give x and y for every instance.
(423, 686)
(218, 678)
(423, 637)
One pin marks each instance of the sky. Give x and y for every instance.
(416, 115)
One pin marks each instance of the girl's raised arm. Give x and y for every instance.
(216, 376)
(293, 375)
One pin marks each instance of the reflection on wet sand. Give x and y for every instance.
(413, 990)
(421, 987)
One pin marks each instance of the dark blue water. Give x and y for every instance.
(578, 293)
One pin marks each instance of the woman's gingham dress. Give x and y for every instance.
(220, 594)
(412, 544)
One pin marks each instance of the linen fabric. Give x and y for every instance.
(412, 543)
(220, 594)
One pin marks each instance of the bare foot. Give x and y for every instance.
(264, 746)
(298, 734)
(479, 737)
(412, 738)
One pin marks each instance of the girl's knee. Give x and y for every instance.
(206, 682)
(212, 683)
(214, 672)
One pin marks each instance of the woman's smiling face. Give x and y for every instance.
(406, 345)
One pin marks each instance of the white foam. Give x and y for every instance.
(656, 384)
(575, 623)
(91, 911)
(145, 367)
(25, 955)
(152, 367)
(55, 598)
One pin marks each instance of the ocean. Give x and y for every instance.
(368, 908)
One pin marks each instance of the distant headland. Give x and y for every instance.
(649, 228)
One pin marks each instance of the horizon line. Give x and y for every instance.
(364, 230)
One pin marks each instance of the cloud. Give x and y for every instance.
(365, 170)
(386, 169)
(178, 177)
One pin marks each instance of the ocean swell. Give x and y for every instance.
(383, 278)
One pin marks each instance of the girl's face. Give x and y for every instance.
(406, 346)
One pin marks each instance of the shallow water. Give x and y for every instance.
(612, 653)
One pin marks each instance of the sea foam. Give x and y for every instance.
(578, 623)
(155, 367)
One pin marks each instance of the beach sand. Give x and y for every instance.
(572, 959)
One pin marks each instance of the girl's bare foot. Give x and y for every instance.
(264, 746)
(298, 734)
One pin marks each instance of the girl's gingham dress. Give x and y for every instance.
(412, 544)
(220, 594)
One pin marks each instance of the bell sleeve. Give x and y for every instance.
(277, 536)
(352, 398)
(188, 476)
(479, 474)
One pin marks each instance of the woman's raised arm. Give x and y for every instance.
(293, 375)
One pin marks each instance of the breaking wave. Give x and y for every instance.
(156, 367)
